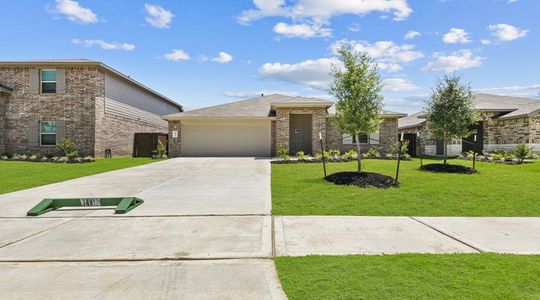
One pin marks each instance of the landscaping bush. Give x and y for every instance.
(521, 152)
(68, 149)
(350, 155)
(300, 155)
(373, 153)
(160, 152)
(283, 153)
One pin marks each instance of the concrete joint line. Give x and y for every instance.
(34, 234)
(273, 237)
(448, 235)
(133, 259)
(143, 216)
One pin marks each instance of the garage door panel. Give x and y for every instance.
(226, 139)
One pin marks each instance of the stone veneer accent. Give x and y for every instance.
(388, 130)
(283, 121)
(273, 150)
(505, 133)
(175, 144)
(81, 107)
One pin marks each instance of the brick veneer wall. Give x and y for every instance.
(3, 99)
(175, 144)
(76, 107)
(273, 150)
(388, 130)
(513, 131)
(318, 124)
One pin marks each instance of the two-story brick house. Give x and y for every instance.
(44, 102)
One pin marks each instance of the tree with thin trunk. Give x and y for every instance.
(357, 88)
(450, 111)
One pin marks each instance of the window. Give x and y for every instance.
(48, 81)
(47, 132)
(362, 139)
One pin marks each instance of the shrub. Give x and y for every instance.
(334, 153)
(301, 155)
(373, 153)
(521, 152)
(160, 151)
(68, 149)
(283, 153)
(396, 150)
(351, 154)
(33, 157)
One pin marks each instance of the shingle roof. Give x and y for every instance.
(506, 106)
(410, 121)
(87, 62)
(260, 107)
(252, 108)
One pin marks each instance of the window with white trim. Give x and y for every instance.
(47, 133)
(48, 81)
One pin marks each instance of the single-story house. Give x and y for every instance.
(44, 102)
(260, 126)
(503, 123)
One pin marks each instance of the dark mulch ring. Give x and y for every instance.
(363, 179)
(442, 168)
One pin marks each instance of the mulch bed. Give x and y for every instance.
(442, 168)
(364, 179)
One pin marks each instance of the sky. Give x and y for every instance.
(208, 52)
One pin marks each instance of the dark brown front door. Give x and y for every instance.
(411, 149)
(300, 134)
(469, 143)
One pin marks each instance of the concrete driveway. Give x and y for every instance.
(204, 232)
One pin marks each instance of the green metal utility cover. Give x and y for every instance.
(123, 204)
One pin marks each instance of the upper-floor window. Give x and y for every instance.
(47, 131)
(48, 81)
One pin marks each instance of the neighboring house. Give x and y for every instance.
(44, 102)
(260, 126)
(503, 123)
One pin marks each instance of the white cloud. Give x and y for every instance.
(528, 91)
(323, 9)
(158, 16)
(313, 73)
(177, 55)
(397, 85)
(75, 12)
(506, 33)
(303, 30)
(355, 27)
(462, 59)
(223, 57)
(485, 42)
(411, 35)
(104, 45)
(456, 36)
(387, 54)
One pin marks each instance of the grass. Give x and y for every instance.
(411, 276)
(15, 175)
(496, 190)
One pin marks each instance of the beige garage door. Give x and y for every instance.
(225, 138)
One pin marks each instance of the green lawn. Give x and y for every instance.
(411, 276)
(497, 190)
(15, 175)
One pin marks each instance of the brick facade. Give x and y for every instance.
(388, 130)
(318, 124)
(81, 107)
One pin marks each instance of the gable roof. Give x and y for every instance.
(506, 106)
(87, 62)
(259, 108)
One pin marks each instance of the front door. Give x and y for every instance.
(440, 147)
(411, 149)
(469, 143)
(300, 134)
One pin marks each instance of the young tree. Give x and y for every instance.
(449, 111)
(357, 88)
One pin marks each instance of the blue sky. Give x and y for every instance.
(207, 52)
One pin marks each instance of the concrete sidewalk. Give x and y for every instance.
(343, 235)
